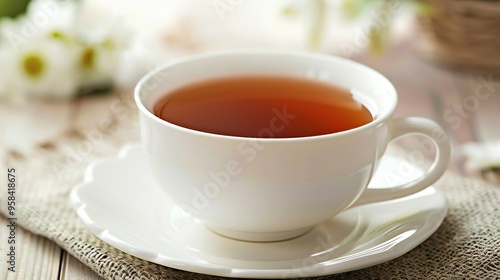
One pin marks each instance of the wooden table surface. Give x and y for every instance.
(425, 89)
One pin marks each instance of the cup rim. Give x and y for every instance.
(305, 54)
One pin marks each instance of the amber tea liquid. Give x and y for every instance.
(263, 107)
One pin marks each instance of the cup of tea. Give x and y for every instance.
(264, 145)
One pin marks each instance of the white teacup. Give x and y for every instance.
(265, 189)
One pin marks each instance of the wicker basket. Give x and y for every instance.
(464, 33)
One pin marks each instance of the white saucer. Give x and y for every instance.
(122, 204)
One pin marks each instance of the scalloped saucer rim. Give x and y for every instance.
(120, 202)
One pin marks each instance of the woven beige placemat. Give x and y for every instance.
(466, 246)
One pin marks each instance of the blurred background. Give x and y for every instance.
(68, 69)
(63, 63)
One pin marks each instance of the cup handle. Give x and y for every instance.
(413, 125)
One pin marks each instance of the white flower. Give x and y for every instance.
(38, 53)
(54, 18)
(482, 155)
(48, 70)
(44, 18)
(59, 47)
(98, 63)
(44, 69)
(106, 34)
